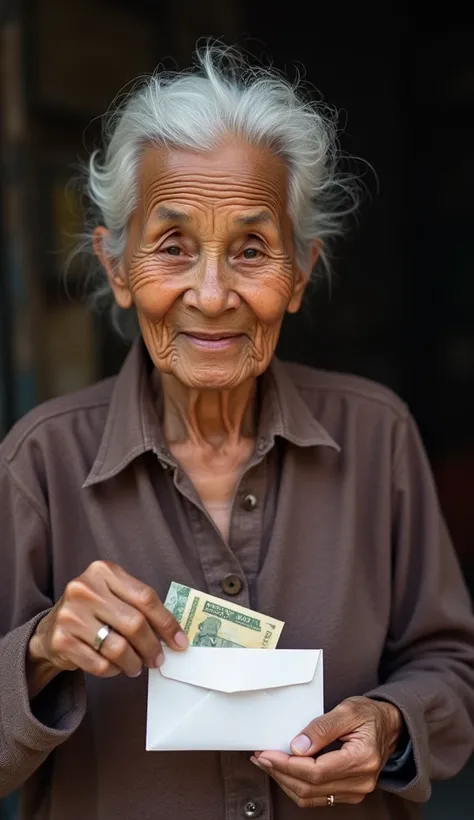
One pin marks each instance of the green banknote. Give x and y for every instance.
(211, 621)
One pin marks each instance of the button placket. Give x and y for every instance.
(218, 563)
(247, 788)
(246, 529)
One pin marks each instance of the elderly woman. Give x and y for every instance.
(303, 494)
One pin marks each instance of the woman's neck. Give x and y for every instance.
(208, 418)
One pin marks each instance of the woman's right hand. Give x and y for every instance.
(103, 594)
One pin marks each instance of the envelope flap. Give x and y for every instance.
(241, 670)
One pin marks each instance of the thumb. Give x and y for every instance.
(323, 730)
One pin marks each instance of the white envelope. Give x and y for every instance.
(233, 699)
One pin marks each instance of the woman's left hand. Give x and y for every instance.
(369, 731)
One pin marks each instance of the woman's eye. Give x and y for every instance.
(173, 250)
(250, 253)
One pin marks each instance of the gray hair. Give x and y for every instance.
(222, 94)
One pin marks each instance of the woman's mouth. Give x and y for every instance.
(213, 341)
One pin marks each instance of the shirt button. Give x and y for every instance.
(252, 809)
(232, 585)
(249, 503)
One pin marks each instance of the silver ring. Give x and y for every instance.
(100, 637)
(330, 800)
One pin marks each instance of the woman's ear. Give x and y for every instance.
(115, 272)
(302, 277)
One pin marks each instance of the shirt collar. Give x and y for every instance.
(132, 426)
(285, 413)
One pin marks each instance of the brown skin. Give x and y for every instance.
(210, 251)
(369, 731)
(103, 594)
(209, 267)
(202, 270)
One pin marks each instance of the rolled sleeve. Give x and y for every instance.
(29, 732)
(408, 778)
(428, 665)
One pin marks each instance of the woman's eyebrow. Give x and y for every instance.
(166, 214)
(254, 219)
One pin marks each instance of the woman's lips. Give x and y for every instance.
(213, 341)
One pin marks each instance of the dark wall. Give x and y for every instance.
(401, 304)
(402, 299)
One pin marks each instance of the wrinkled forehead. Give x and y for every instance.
(235, 177)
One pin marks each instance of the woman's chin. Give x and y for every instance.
(214, 376)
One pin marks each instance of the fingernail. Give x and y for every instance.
(181, 640)
(264, 763)
(137, 674)
(301, 744)
(159, 660)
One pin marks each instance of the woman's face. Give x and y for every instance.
(209, 263)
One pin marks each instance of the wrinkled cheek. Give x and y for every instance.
(268, 295)
(153, 301)
(158, 342)
(269, 306)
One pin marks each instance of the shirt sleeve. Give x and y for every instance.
(428, 666)
(28, 733)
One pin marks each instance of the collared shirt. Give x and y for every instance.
(335, 529)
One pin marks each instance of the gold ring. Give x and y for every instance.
(330, 800)
(100, 637)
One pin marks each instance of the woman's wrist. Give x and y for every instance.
(39, 670)
(394, 725)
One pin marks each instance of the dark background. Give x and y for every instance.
(402, 298)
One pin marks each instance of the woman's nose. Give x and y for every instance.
(212, 292)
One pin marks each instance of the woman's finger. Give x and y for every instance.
(87, 607)
(344, 718)
(72, 652)
(143, 598)
(304, 768)
(133, 626)
(120, 653)
(319, 801)
(301, 785)
(328, 767)
(115, 648)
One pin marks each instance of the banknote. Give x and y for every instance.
(211, 621)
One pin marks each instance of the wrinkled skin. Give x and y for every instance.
(369, 731)
(210, 249)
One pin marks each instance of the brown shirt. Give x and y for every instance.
(345, 543)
